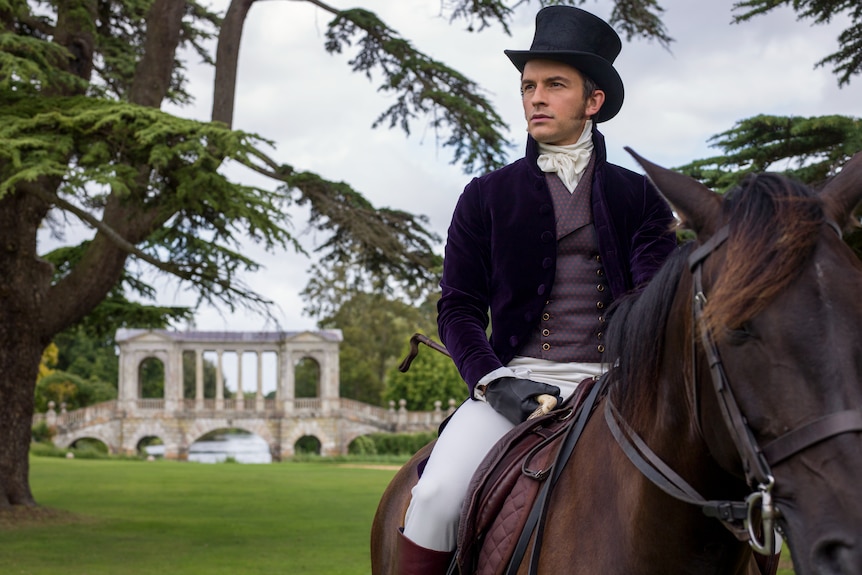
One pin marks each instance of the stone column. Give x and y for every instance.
(173, 393)
(240, 397)
(219, 398)
(258, 397)
(199, 379)
(286, 389)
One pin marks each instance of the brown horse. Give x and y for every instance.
(739, 380)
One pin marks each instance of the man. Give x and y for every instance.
(545, 244)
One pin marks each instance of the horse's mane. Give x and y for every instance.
(637, 326)
(774, 225)
(773, 229)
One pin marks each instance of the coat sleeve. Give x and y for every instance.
(463, 308)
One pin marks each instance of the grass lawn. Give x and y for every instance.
(109, 517)
(141, 518)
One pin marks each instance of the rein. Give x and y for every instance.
(755, 460)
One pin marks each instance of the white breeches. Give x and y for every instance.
(474, 428)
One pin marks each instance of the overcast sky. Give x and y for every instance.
(319, 114)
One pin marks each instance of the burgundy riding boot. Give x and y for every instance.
(411, 559)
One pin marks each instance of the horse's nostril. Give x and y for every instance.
(837, 557)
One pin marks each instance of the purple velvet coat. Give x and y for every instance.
(501, 253)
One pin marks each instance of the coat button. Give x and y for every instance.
(546, 332)
(599, 335)
(600, 305)
(541, 289)
(598, 258)
(547, 262)
(547, 237)
(546, 346)
(601, 348)
(546, 316)
(600, 272)
(600, 287)
(513, 341)
(601, 319)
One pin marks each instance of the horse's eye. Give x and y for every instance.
(740, 335)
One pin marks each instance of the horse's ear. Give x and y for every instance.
(844, 191)
(698, 206)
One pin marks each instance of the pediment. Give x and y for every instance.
(322, 336)
(127, 336)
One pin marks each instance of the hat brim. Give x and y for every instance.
(595, 67)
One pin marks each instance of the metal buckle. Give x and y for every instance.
(762, 499)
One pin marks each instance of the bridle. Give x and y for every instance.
(757, 512)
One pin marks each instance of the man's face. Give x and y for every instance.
(554, 104)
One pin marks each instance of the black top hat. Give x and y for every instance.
(584, 41)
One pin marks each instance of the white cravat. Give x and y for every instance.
(568, 161)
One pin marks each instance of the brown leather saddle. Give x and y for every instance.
(507, 484)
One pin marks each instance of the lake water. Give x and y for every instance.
(242, 448)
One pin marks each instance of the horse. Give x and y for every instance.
(732, 415)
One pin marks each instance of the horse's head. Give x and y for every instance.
(781, 318)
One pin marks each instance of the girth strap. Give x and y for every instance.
(816, 431)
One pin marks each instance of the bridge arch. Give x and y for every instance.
(310, 428)
(99, 433)
(200, 428)
(133, 434)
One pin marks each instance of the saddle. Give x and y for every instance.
(506, 485)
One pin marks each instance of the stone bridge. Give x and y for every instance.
(279, 417)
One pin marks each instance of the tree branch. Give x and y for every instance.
(227, 60)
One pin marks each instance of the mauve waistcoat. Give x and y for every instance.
(572, 322)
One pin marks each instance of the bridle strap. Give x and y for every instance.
(816, 431)
(662, 476)
(756, 468)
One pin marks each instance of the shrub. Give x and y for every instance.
(41, 433)
(400, 444)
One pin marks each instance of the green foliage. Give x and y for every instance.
(151, 378)
(848, 58)
(307, 378)
(362, 445)
(190, 375)
(432, 377)
(421, 85)
(42, 433)
(86, 356)
(76, 392)
(398, 444)
(374, 321)
(116, 310)
(307, 444)
(635, 18)
(809, 149)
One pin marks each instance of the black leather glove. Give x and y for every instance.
(515, 399)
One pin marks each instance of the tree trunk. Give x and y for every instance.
(25, 281)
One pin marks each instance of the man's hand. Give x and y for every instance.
(515, 399)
